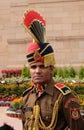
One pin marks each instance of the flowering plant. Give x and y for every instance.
(15, 104)
(11, 72)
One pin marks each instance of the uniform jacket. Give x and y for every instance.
(67, 114)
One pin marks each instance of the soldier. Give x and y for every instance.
(46, 105)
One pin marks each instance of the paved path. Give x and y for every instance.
(14, 122)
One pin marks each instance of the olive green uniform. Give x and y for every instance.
(58, 109)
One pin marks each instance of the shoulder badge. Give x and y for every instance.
(75, 113)
(62, 88)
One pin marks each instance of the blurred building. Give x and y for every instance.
(65, 31)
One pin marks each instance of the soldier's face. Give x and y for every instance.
(39, 73)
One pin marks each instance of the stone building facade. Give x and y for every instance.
(64, 30)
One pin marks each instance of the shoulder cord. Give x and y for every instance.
(75, 94)
(38, 123)
(34, 118)
(54, 115)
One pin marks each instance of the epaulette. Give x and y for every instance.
(63, 89)
(27, 90)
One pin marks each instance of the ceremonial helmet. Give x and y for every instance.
(39, 49)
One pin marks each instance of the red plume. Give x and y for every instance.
(35, 23)
(32, 15)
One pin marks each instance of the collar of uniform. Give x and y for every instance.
(49, 87)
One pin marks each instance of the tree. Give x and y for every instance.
(25, 72)
(72, 72)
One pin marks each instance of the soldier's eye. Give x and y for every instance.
(33, 66)
(42, 66)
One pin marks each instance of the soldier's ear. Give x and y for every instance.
(51, 67)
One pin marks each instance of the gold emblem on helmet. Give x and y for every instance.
(37, 56)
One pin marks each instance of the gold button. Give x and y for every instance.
(46, 117)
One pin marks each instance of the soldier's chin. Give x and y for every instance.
(38, 81)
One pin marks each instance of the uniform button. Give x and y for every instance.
(46, 117)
